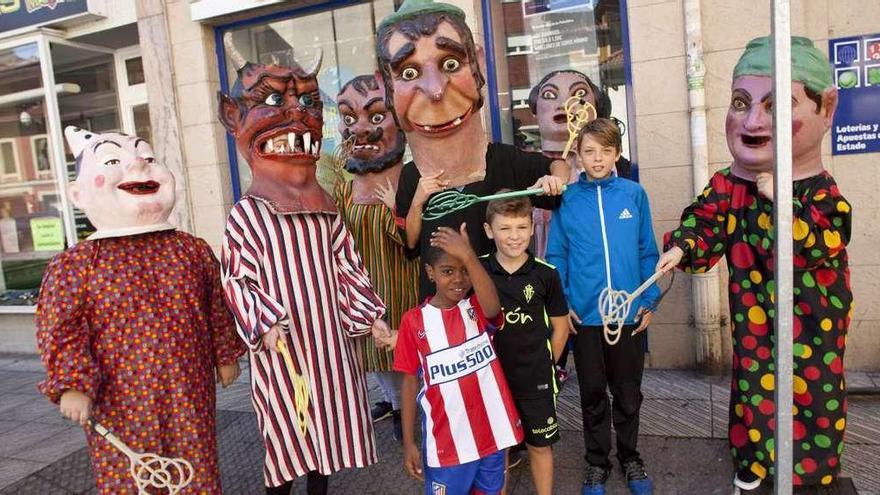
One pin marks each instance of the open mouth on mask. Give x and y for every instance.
(445, 126)
(289, 142)
(139, 188)
(560, 118)
(365, 148)
(755, 141)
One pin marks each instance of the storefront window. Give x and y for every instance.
(346, 36)
(32, 215)
(94, 105)
(31, 228)
(536, 37)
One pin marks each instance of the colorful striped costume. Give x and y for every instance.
(302, 271)
(394, 276)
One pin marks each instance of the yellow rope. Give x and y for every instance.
(300, 389)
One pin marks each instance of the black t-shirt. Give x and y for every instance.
(506, 168)
(529, 297)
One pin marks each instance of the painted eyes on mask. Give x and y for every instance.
(111, 161)
(451, 64)
(306, 100)
(377, 118)
(409, 73)
(274, 100)
(349, 120)
(548, 94)
(580, 93)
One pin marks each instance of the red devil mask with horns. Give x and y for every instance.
(275, 115)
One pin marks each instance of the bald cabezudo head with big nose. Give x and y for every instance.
(119, 183)
(749, 122)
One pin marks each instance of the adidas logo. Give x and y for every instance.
(625, 214)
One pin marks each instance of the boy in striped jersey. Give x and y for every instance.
(468, 415)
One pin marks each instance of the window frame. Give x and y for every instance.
(43, 39)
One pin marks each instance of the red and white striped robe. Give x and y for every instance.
(302, 271)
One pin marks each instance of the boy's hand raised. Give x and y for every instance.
(456, 244)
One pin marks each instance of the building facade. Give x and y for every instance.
(153, 67)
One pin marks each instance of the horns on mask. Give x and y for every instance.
(240, 61)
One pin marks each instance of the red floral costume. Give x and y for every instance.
(138, 324)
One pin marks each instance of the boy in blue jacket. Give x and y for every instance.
(601, 236)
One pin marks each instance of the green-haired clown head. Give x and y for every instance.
(808, 64)
(749, 123)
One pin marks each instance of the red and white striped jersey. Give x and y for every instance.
(467, 409)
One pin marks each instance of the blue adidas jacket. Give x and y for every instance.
(577, 244)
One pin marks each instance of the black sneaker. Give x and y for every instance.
(397, 429)
(594, 480)
(636, 478)
(381, 411)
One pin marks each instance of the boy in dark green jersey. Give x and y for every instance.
(534, 332)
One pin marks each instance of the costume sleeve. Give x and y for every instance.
(554, 299)
(339, 194)
(406, 354)
(821, 226)
(648, 254)
(227, 346)
(557, 249)
(702, 234)
(393, 227)
(406, 190)
(359, 305)
(254, 310)
(63, 333)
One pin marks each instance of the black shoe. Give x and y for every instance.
(636, 478)
(594, 480)
(397, 429)
(381, 411)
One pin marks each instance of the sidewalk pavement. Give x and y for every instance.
(683, 440)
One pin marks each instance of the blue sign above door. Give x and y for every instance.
(856, 65)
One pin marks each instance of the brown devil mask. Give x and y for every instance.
(275, 114)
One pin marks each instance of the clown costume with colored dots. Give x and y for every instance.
(731, 218)
(132, 325)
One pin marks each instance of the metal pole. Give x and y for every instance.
(705, 286)
(783, 258)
